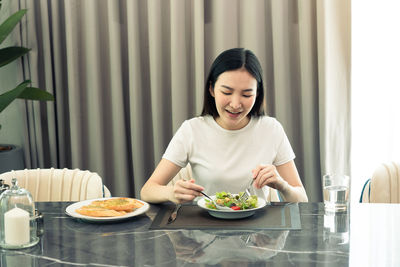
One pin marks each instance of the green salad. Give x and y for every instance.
(232, 201)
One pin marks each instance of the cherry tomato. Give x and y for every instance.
(235, 207)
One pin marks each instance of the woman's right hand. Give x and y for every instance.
(185, 191)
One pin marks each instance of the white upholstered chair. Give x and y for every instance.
(384, 185)
(186, 174)
(59, 184)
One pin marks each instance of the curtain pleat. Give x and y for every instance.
(223, 26)
(287, 86)
(75, 108)
(282, 65)
(126, 74)
(160, 74)
(59, 50)
(52, 80)
(180, 64)
(116, 139)
(333, 18)
(95, 63)
(197, 52)
(309, 110)
(142, 148)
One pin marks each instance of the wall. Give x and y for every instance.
(375, 88)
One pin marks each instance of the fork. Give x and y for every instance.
(246, 193)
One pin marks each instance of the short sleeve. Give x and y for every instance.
(178, 148)
(284, 150)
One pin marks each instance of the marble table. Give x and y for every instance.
(324, 240)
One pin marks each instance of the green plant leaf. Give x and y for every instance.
(8, 97)
(9, 24)
(22, 91)
(33, 93)
(9, 54)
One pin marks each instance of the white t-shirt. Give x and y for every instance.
(221, 159)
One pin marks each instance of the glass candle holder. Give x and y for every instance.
(18, 225)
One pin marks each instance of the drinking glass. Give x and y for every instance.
(336, 192)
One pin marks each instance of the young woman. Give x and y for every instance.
(231, 143)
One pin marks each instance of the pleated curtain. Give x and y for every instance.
(126, 74)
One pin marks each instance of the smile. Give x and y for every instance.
(234, 112)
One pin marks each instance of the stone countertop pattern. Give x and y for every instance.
(323, 241)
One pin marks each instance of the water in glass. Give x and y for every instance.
(336, 197)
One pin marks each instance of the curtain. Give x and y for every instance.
(126, 74)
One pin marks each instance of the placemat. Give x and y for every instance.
(276, 216)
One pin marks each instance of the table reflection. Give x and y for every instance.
(212, 247)
(19, 257)
(336, 228)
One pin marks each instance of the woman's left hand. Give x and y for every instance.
(268, 175)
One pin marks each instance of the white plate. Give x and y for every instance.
(231, 214)
(70, 210)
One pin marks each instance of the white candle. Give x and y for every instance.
(16, 227)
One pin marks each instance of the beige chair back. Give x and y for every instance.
(186, 174)
(59, 184)
(384, 186)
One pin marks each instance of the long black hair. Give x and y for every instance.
(233, 59)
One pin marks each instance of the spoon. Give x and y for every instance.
(219, 207)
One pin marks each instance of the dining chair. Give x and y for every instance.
(384, 185)
(59, 184)
(186, 174)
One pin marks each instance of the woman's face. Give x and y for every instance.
(235, 93)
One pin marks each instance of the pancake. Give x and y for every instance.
(119, 204)
(97, 211)
(110, 207)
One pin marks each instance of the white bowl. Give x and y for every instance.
(230, 214)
